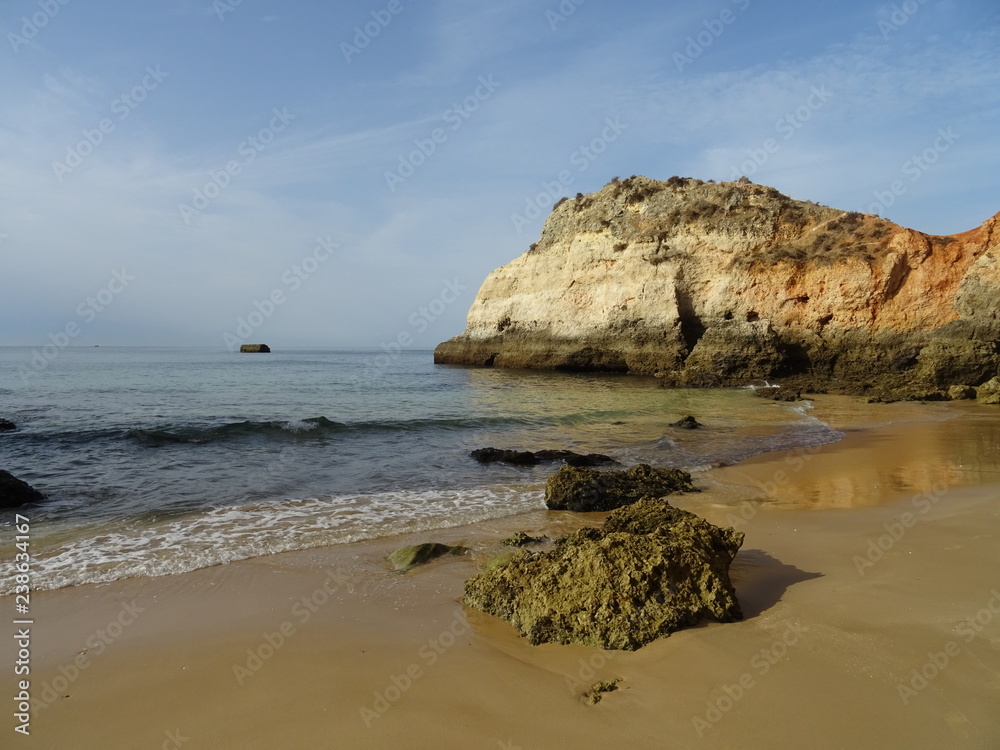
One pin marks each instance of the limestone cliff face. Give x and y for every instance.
(719, 284)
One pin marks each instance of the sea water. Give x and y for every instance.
(160, 461)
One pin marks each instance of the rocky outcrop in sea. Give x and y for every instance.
(720, 284)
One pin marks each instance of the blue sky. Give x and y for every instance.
(194, 173)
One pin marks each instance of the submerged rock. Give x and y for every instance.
(585, 490)
(520, 539)
(15, 492)
(6, 425)
(688, 423)
(650, 570)
(532, 458)
(407, 557)
(989, 392)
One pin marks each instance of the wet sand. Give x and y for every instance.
(869, 580)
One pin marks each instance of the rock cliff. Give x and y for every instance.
(710, 284)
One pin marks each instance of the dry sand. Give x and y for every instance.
(845, 595)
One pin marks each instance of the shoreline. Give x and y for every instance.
(326, 645)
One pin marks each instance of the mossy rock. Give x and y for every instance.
(961, 392)
(502, 559)
(650, 570)
(989, 392)
(407, 557)
(520, 539)
(598, 689)
(584, 490)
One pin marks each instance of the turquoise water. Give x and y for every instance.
(158, 461)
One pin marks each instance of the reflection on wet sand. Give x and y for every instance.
(943, 446)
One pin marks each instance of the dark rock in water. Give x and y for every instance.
(586, 490)
(256, 348)
(15, 493)
(520, 539)
(777, 393)
(6, 425)
(532, 458)
(688, 423)
(575, 459)
(498, 455)
(650, 570)
(407, 557)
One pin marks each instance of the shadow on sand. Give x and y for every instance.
(761, 580)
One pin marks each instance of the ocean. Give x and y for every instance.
(161, 461)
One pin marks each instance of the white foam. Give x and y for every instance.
(227, 534)
(299, 425)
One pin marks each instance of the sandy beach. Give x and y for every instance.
(868, 579)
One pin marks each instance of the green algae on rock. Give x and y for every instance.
(650, 570)
(407, 557)
(583, 490)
